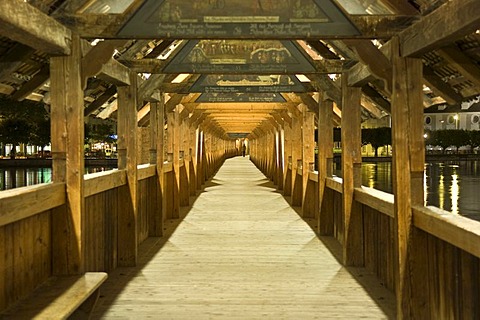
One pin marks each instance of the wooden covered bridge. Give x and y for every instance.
(187, 227)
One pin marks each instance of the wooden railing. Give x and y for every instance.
(26, 214)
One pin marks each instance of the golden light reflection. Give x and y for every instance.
(455, 191)
(441, 190)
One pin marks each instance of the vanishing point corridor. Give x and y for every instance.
(241, 251)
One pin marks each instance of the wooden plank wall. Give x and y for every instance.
(25, 257)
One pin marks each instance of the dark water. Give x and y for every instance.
(20, 177)
(453, 186)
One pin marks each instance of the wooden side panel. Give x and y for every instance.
(25, 257)
(379, 246)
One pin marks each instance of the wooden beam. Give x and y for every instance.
(462, 63)
(322, 50)
(451, 21)
(148, 87)
(100, 101)
(67, 130)
(97, 56)
(24, 23)
(378, 64)
(159, 49)
(115, 73)
(13, 59)
(33, 84)
(401, 7)
(377, 98)
(439, 87)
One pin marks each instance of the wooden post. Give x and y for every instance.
(173, 148)
(352, 178)
(157, 154)
(67, 127)
(297, 153)
(325, 164)
(279, 158)
(408, 165)
(287, 155)
(127, 159)
(308, 156)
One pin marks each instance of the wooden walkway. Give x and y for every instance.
(241, 252)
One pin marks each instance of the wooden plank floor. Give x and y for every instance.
(241, 252)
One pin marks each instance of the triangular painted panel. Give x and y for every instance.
(233, 83)
(240, 97)
(227, 19)
(240, 57)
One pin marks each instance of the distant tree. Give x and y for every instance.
(377, 137)
(14, 131)
(474, 138)
(460, 138)
(40, 133)
(443, 138)
(103, 132)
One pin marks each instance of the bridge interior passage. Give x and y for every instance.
(189, 85)
(241, 251)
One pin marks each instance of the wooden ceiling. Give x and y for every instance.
(445, 34)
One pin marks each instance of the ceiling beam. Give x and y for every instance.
(13, 59)
(26, 24)
(33, 84)
(452, 20)
(378, 64)
(440, 87)
(100, 101)
(462, 63)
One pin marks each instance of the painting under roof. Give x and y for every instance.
(240, 97)
(240, 56)
(227, 19)
(233, 83)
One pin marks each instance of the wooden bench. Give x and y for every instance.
(71, 297)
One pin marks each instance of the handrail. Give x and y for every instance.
(334, 183)
(375, 199)
(167, 167)
(95, 183)
(20, 203)
(146, 171)
(459, 231)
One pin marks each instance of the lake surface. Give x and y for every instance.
(11, 178)
(452, 185)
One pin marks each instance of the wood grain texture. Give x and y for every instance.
(241, 252)
(21, 203)
(58, 298)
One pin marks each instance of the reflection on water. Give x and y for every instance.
(20, 177)
(452, 185)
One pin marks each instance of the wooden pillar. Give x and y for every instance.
(280, 163)
(325, 164)
(352, 174)
(67, 128)
(297, 153)
(308, 156)
(287, 156)
(157, 155)
(127, 159)
(408, 165)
